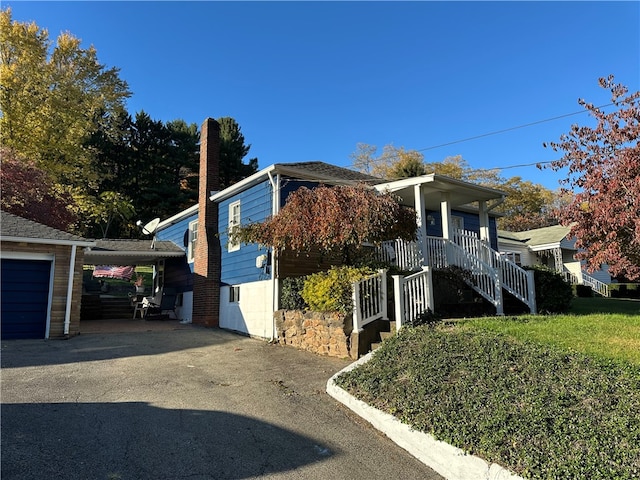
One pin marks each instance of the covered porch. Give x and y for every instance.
(124, 302)
(443, 240)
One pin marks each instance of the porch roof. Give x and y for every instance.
(434, 185)
(130, 252)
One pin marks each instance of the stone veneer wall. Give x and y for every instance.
(325, 333)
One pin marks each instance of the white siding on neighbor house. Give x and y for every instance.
(573, 267)
(253, 314)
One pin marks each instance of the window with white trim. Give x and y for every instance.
(234, 222)
(457, 222)
(234, 294)
(193, 240)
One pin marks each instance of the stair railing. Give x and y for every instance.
(413, 296)
(370, 300)
(513, 278)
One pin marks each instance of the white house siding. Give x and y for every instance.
(185, 310)
(253, 314)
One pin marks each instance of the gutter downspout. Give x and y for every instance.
(67, 312)
(275, 294)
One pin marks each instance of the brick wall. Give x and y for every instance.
(206, 281)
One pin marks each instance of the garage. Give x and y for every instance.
(40, 279)
(25, 298)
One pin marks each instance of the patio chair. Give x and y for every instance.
(167, 304)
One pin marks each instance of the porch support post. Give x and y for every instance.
(447, 227)
(484, 223)
(445, 211)
(418, 202)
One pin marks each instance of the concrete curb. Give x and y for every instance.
(447, 460)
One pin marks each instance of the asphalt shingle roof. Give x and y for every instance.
(128, 245)
(332, 171)
(15, 226)
(538, 236)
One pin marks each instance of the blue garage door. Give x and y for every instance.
(25, 298)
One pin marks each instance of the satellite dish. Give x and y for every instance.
(150, 227)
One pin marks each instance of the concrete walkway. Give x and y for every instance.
(178, 401)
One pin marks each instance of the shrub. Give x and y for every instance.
(584, 291)
(291, 297)
(331, 291)
(625, 290)
(427, 318)
(553, 294)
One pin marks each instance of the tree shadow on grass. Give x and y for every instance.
(138, 441)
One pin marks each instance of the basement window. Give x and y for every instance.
(234, 294)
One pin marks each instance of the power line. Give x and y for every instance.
(508, 129)
(513, 166)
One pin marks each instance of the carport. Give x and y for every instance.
(132, 252)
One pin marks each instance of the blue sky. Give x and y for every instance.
(311, 80)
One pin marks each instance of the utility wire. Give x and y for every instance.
(508, 129)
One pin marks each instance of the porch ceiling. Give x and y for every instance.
(130, 252)
(433, 186)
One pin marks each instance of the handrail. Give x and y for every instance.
(515, 279)
(414, 295)
(369, 297)
(596, 285)
(404, 255)
(442, 253)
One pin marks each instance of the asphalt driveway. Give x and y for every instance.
(189, 403)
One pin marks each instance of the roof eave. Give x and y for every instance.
(47, 241)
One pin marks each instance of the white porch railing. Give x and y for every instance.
(486, 281)
(596, 285)
(513, 278)
(413, 296)
(491, 271)
(370, 300)
(405, 255)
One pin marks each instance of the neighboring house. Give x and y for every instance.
(41, 279)
(551, 247)
(236, 286)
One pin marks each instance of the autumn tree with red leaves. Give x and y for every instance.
(604, 176)
(29, 193)
(332, 219)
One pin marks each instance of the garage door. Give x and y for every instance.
(25, 298)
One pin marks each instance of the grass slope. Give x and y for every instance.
(546, 397)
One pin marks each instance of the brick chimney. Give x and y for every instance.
(206, 281)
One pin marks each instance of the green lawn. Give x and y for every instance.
(613, 335)
(545, 396)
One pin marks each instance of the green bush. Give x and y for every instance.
(625, 290)
(584, 291)
(291, 298)
(542, 412)
(331, 291)
(553, 294)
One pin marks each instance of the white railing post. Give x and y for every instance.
(430, 299)
(531, 291)
(357, 314)
(398, 292)
(383, 293)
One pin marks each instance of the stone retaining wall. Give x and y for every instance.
(325, 333)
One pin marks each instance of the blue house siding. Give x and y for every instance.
(178, 273)
(471, 223)
(240, 266)
(289, 185)
(176, 232)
